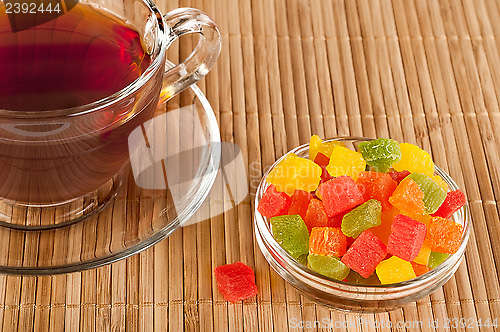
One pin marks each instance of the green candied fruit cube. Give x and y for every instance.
(329, 266)
(380, 153)
(436, 258)
(434, 195)
(365, 216)
(355, 278)
(291, 233)
(302, 259)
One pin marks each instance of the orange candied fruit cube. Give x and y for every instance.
(383, 230)
(329, 241)
(419, 269)
(408, 198)
(444, 235)
(316, 215)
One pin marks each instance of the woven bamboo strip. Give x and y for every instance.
(350, 86)
(324, 75)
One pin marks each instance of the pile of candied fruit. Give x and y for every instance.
(378, 215)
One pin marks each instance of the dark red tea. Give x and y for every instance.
(82, 56)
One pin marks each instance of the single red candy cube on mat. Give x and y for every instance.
(364, 254)
(323, 161)
(273, 203)
(300, 202)
(235, 281)
(329, 241)
(407, 237)
(316, 215)
(444, 236)
(398, 176)
(339, 194)
(452, 203)
(377, 185)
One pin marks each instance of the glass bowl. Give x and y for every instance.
(344, 295)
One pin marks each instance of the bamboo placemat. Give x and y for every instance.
(421, 71)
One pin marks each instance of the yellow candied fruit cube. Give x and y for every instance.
(316, 145)
(294, 173)
(439, 180)
(414, 160)
(424, 219)
(394, 270)
(424, 254)
(344, 161)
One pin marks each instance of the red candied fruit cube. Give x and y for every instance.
(339, 194)
(235, 281)
(379, 186)
(300, 202)
(329, 241)
(444, 235)
(323, 161)
(452, 203)
(365, 254)
(316, 215)
(399, 176)
(273, 203)
(407, 237)
(336, 220)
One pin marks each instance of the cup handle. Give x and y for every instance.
(189, 20)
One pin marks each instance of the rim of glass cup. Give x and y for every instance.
(323, 283)
(158, 57)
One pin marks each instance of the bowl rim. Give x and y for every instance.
(263, 226)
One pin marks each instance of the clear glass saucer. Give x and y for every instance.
(174, 160)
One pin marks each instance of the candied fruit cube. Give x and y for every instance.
(452, 203)
(316, 145)
(339, 194)
(379, 186)
(235, 281)
(444, 235)
(344, 161)
(408, 198)
(394, 270)
(399, 176)
(419, 269)
(299, 203)
(291, 234)
(414, 160)
(365, 216)
(329, 266)
(406, 238)
(381, 153)
(329, 241)
(365, 254)
(273, 203)
(423, 255)
(436, 258)
(316, 215)
(439, 180)
(355, 278)
(294, 173)
(383, 231)
(434, 195)
(323, 161)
